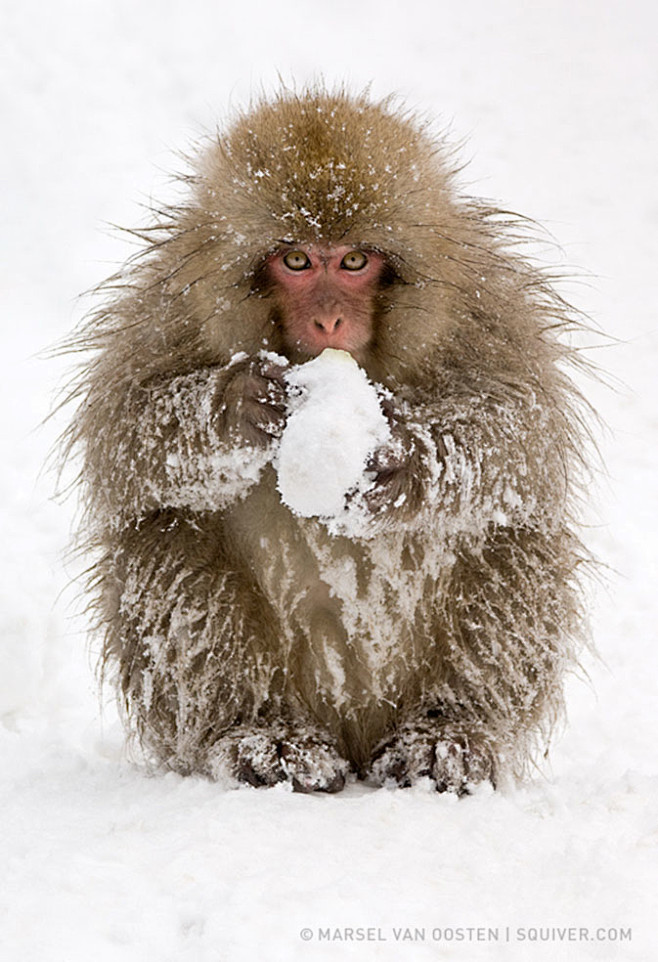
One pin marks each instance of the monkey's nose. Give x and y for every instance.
(328, 324)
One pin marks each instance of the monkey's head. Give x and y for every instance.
(319, 220)
(324, 220)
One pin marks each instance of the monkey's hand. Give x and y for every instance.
(253, 405)
(397, 474)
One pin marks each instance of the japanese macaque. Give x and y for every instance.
(423, 630)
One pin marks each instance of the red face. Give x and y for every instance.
(326, 296)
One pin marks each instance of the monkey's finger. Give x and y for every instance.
(261, 390)
(268, 390)
(266, 418)
(274, 397)
(274, 371)
(385, 460)
(274, 403)
(388, 409)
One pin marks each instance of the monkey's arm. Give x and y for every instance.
(474, 461)
(197, 440)
(502, 461)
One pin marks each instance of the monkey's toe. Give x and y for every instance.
(460, 764)
(403, 759)
(312, 765)
(263, 757)
(453, 760)
(250, 756)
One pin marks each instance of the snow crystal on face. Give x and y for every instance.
(335, 424)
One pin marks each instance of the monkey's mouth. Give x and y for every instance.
(301, 351)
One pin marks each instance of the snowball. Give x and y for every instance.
(335, 423)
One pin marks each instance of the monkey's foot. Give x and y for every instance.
(264, 757)
(455, 761)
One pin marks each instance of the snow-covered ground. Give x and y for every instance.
(558, 102)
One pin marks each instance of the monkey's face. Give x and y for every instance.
(325, 297)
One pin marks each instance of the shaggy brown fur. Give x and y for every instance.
(432, 643)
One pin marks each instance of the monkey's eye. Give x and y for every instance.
(296, 260)
(354, 261)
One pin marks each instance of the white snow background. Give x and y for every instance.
(558, 103)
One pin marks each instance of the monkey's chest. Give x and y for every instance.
(353, 615)
(357, 614)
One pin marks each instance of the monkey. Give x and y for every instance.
(427, 640)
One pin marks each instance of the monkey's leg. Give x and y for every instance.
(508, 619)
(292, 740)
(192, 640)
(200, 660)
